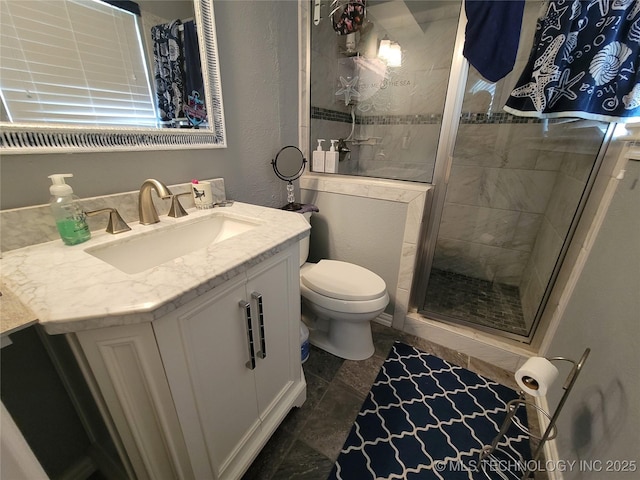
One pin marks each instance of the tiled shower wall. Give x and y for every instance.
(522, 183)
(514, 186)
(398, 111)
(498, 191)
(577, 158)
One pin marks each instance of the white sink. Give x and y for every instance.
(147, 250)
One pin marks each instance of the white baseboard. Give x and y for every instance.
(384, 319)
(82, 469)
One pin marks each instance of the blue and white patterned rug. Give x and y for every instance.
(425, 418)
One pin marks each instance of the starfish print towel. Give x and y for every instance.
(584, 63)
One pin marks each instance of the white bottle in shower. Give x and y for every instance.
(317, 162)
(331, 158)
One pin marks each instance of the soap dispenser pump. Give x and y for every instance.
(331, 158)
(317, 161)
(70, 218)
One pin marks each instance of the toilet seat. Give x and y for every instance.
(362, 306)
(342, 281)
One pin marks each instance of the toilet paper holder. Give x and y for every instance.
(551, 431)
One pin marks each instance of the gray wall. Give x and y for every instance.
(601, 420)
(259, 69)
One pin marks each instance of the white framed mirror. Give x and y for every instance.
(109, 75)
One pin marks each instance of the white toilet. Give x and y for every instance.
(343, 299)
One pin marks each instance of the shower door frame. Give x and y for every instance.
(443, 162)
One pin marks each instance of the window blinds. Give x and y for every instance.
(73, 62)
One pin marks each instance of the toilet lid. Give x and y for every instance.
(343, 281)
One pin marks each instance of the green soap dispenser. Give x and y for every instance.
(70, 219)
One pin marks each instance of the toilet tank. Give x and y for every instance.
(304, 243)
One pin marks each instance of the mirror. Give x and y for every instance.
(39, 119)
(289, 166)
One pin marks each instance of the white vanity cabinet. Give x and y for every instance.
(229, 402)
(183, 391)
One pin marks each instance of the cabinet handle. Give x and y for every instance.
(263, 340)
(246, 306)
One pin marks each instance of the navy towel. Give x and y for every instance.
(193, 77)
(492, 36)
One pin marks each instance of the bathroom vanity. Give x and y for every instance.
(194, 360)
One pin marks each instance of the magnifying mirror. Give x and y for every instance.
(289, 166)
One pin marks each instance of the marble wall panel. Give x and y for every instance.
(521, 144)
(429, 90)
(436, 43)
(563, 203)
(481, 225)
(476, 145)
(510, 267)
(546, 250)
(548, 161)
(468, 185)
(522, 190)
(531, 292)
(578, 166)
(480, 261)
(526, 230)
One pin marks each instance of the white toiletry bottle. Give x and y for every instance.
(317, 163)
(331, 158)
(70, 219)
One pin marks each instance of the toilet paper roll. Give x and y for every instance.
(536, 376)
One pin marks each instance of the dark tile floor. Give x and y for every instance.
(308, 442)
(478, 301)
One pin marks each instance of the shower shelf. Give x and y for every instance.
(366, 141)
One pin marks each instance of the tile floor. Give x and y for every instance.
(308, 442)
(491, 304)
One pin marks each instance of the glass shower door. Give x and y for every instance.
(514, 189)
(509, 206)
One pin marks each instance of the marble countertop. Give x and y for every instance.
(70, 290)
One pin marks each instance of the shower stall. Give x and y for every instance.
(404, 104)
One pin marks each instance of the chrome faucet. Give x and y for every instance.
(146, 209)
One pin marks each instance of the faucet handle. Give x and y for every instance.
(116, 224)
(176, 209)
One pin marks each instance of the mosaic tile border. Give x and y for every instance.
(466, 118)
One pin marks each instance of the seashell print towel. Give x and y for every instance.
(584, 63)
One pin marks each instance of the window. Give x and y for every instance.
(73, 62)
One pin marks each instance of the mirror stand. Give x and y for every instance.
(288, 165)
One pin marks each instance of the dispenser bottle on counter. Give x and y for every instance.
(331, 158)
(70, 219)
(317, 161)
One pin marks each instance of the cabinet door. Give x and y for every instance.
(205, 350)
(126, 364)
(277, 285)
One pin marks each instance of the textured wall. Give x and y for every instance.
(259, 69)
(601, 420)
